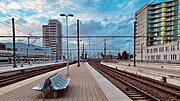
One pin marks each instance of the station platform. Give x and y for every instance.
(161, 68)
(7, 68)
(169, 73)
(86, 85)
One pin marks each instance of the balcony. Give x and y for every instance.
(172, 14)
(151, 26)
(154, 12)
(152, 17)
(155, 25)
(172, 18)
(155, 17)
(171, 9)
(154, 31)
(171, 4)
(154, 8)
(155, 21)
(171, 23)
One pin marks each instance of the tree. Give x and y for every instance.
(102, 55)
(125, 55)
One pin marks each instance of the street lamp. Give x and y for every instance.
(67, 15)
(21, 52)
(129, 52)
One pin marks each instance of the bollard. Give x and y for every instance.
(116, 67)
(163, 79)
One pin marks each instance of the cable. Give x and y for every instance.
(127, 22)
(9, 11)
(5, 23)
(15, 16)
(126, 10)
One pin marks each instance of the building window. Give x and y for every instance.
(155, 50)
(167, 48)
(52, 29)
(46, 29)
(158, 57)
(165, 57)
(147, 50)
(172, 47)
(161, 49)
(52, 23)
(152, 57)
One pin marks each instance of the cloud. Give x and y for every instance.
(98, 17)
(86, 28)
(121, 5)
(21, 21)
(13, 5)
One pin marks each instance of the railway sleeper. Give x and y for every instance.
(140, 99)
(131, 93)
(136, 95)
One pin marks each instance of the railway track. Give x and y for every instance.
(8, 78)
(138, 87)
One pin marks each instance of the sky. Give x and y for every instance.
(97, 17)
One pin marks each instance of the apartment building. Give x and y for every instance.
(140, 30)
(52, 38)
(163, 29)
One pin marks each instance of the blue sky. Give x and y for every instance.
(98, 17)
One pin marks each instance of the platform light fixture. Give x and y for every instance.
(67, 15)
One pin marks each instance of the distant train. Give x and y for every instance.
(7, 57)
(3, 59)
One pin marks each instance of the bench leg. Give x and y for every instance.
(54, 94)
(43, 94)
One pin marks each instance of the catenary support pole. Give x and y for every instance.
(14, 44)
(135, 43)
(78, 40)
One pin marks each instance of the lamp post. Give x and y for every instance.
(67, 15)
(21, 52)
(129, 52)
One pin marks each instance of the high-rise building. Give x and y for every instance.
(52, 37)
(140, 30)
(162, 23)
(163, 28)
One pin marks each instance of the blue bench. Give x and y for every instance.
(54, 83)
(58, 82)
(42, 87)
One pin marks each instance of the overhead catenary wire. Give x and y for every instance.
(130, 5)
(85, 31)
(7, 24)
(18, 29)
(128, 20)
